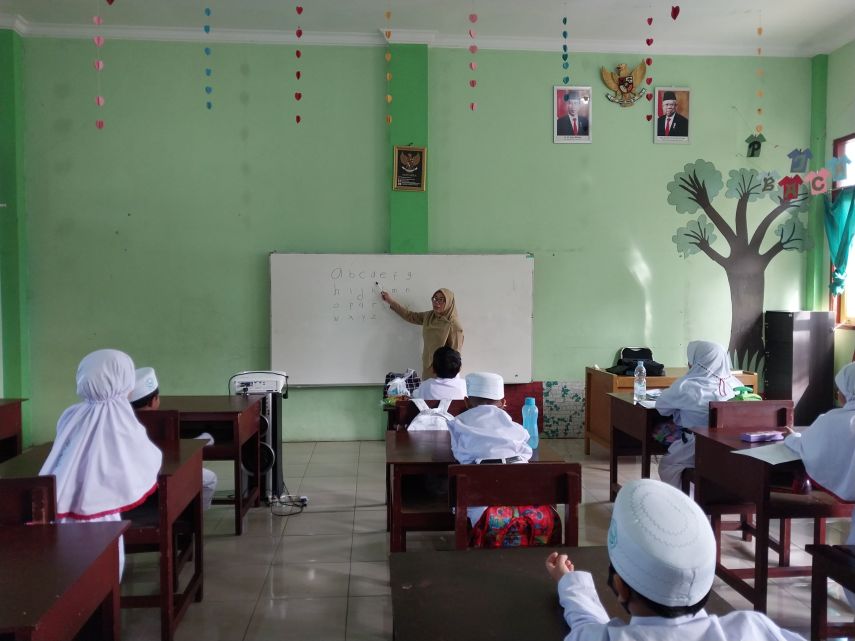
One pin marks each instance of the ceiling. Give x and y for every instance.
(706, 27)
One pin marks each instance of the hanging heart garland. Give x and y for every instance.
(208, 88)
(649, 61)
(473, 49)
(298, 74)
(98, 65)
(388, 33)
(565, 63)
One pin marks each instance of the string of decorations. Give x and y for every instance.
(565, 63)
(473, 65)
(388, 33)
(98, 64)
(756, 139)
(209, 72)
(298, 74)
(649, 60)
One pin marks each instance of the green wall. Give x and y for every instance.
(152, 235)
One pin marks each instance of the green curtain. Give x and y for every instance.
(839, 229)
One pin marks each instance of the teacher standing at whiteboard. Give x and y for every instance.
(440, 326)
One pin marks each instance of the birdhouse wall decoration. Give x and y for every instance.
(627, 86)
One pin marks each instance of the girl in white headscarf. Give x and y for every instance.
(687, 401)
(102, 458)
(827, 448)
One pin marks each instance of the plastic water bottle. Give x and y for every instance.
(529, 415)
(639, 388)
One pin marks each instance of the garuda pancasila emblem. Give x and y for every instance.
(627, 87)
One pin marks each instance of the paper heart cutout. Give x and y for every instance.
(565, 65)
(388, 99)
(97, 20)
(649, 61)
(675, 11)
(649, 97)
(649, 117)
(207, 11)
(473, 83)
(473, 48)
(758, 128)
(206, 28)
(650, 21)
(649, 81)
(298, 119)
(388, 15)
(99, 41)
(388, 76)
(473, 18)
(759, 31)
(388, 34)
(299, 74)
(473, 106)
(564, 48)
(110, 2)
(299, 10)
(208, 72)
(209, 90)
(298, 53)
(649, 41)
(564, 20)
(209, 105)
(299, 32)
(99, 100)
(99, 124)
(564, 35)
(564, 56)
(566, 80)
(388, 56)
(207, 51)
(473, 66)
(298, 95)
(388, 119)
(472, 33)
(759, 93)
(99, 65)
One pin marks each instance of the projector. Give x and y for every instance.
(259, 382)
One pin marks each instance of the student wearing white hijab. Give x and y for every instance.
(687, 401)
(102, 458)
(662, 553)
(827, 448)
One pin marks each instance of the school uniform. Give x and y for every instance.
(589, 621)
(440, 389)
(102, 458)
(827, 449)
(687, 401)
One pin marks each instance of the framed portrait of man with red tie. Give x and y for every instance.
(671, 115)
(571, 114)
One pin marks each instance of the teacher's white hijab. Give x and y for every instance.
(827, 447)
(102, 458)
(708, 379)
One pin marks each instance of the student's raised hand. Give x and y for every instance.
(558, 565)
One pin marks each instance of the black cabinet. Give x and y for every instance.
(800, 361)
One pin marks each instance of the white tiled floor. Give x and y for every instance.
(323, 575)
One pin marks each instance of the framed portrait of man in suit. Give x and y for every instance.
(571, 114)
(671, 115)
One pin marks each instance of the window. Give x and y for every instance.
(845, 303)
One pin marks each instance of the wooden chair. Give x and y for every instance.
(529, 484)
(162, 426)
(28, 500)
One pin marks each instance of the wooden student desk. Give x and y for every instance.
(10, 427)
(57, 578)
(492, 594)
(836, 562)
(600, 383)
(722, 477)
(632, 428)
(179, 484)
(425, 453)
(233, 421)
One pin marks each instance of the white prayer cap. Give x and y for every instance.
(485, 385)
(661, 543)
(146, 384)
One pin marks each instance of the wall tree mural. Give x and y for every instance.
(745, 264)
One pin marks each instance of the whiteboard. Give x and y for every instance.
(329, 325)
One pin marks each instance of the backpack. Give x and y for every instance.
(505, 526)
(430, 418)
(628, 358)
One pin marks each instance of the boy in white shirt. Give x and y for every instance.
(447, 385)
(662, 553)
(146, 396)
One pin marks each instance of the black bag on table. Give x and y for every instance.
(628, 358)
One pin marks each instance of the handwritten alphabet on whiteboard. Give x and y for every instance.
(355, 295)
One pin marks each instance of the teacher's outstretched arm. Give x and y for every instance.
(417, 318)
